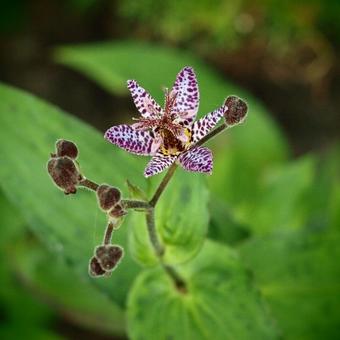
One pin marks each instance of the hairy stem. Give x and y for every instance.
(89, 184)
(177, 279)
(134, 204)
(154, 239)
(108, 233)
(163, 185)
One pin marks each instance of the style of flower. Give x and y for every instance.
(169, 134)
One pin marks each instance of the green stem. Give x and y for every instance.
(154, 239)
(89, 184)
(211, 135)
(163, 185)
(134, 204)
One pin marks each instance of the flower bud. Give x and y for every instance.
(108, 256)
(117, 211)
(95, 269)
(64, 173)
(107, 196)
(66, 148)
(237, 110)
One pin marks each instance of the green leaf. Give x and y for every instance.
(278, 206)
(36, 316)
(298, 273)
(223, 227)
(181, 221)
(48, 278)
(70, 226)
(56, 283)
(242, 155)
(220, 301)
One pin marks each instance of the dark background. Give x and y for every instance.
(285, 53)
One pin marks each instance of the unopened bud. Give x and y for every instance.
(66, 148)
(117, 211)
(108, 256)
(107, 196)
(64, 173)
(95, 268)
(237, 110)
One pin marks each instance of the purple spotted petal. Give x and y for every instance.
(145, 104)
(198, 159)
(124, 136)
(202, 126)
(187, 99)
(158, 164)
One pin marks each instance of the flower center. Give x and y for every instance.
(171, 144)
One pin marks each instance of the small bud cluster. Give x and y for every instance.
(109, 201)
(105, 260)
(107, 256)
(236, 112)
(62, 167)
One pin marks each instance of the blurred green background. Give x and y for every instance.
(257, 242)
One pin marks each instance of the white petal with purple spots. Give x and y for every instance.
(202, 126)
(198, 159)
(187, 100)
(158, 164)
(124, 136)
(145, 104)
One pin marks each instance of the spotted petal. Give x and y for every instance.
(145, 104)
(124, 136)
(198, 159)
(202, 126)
(187, 95)
(158, 163)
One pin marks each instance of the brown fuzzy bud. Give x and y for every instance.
(66, 148)
(237, 110)
(107, 196)
(64, 173)
(117, 211)
(109, 256)
(95, 268)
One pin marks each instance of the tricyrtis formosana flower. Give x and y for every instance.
(169, 134)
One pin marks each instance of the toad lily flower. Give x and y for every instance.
(169, 134)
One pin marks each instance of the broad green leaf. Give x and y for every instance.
(219, 303)
(70, 226)
(223, 227)
(321, 203)
(242, 155)
(42, 272)
(181, 218)
(35, 317)
(181, 221)
(77, 299)
(298, 273)
(11, 223)
(278, 206)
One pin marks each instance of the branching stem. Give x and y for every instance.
(149, 209)
(134, 204)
